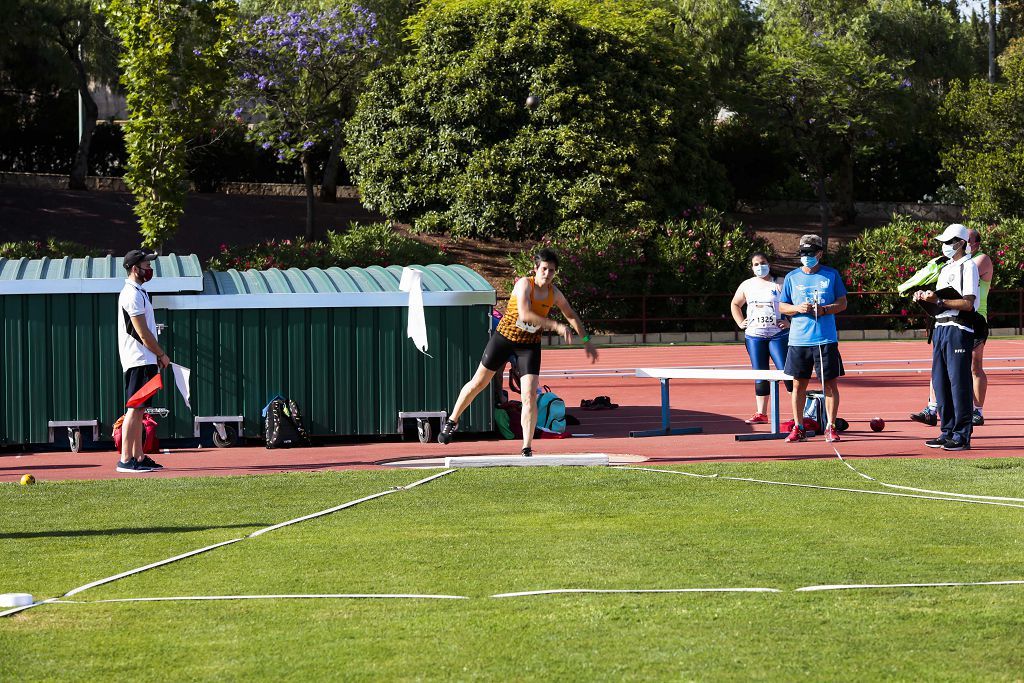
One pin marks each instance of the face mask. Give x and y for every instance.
(809, 261)
(948, 250)
(969, 250)
(761, 270)
(145, 275)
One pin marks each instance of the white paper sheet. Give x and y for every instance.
(412, 282)
(181, 380)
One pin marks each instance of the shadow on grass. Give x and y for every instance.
(72, 533)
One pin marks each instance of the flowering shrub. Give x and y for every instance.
(51, 248)
(699, 253)
(883, 257)
(362, 245)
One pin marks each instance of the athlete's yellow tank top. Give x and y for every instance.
(507, 326)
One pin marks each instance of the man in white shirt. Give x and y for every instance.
(141, 355)
(953, 340)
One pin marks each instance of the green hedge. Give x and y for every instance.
(601, 273)
(881, 258)
(362, 245)
(51, 248)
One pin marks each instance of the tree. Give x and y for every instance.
(988, 157)
(389, 34)
(295, 75)
(820, 83)
(174, 64)
(614, 133)
(60, 44)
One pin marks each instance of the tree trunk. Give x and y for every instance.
(80, 167)
(329, 189)
(826, 210)
(845, 209)
(991, 41)
(307, 174)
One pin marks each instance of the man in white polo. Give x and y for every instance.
(955, 302)
(141, 355)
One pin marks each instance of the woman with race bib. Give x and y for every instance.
(767, 333)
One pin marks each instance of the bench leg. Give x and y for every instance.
(666, 427)
(773, 387)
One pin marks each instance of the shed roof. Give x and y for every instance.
(89, 275)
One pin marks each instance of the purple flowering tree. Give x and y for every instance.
(296, 79)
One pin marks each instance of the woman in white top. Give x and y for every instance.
(767, 333)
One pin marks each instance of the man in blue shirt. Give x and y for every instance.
(812, 295)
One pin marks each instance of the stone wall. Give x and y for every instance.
(943, 213)
(104, 184)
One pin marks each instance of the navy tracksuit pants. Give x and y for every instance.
(952, 349)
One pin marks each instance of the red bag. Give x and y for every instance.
(150, 442)
(809, 426)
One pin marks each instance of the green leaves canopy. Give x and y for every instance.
(443, 138)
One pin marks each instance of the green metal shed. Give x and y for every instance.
(59, 365)
(334, 340)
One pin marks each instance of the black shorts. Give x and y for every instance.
(980, 334)
(135, 378)
(499, 348)
(801, 360)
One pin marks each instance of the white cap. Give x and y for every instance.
(953, 231)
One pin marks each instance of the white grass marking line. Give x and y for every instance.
(866, 586)
(302, 596)
(557, 591)
(818, 486)
(154, 565)
(191, 553)
(351, 503)
(911, 488)
(10, 612)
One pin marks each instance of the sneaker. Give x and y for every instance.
(758, 419)
(956, 444)
(977, 419)
(925, 417)
(133, 466)
(447, 430)
(939, 442)
(797, 434)
(527, 452)
(151, 463)
(831, 434)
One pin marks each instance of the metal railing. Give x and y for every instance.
(642, 312)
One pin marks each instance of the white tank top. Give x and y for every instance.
(762, 307)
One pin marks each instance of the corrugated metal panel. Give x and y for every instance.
(89, 275)
(371, 287)
(351, 369)
(59, 361)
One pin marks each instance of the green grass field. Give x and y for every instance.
(477, 533)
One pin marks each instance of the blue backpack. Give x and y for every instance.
(550, 412)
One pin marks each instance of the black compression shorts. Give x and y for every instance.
(500, 348)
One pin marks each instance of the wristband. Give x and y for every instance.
(586, 339)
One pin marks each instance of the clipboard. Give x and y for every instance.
(944, 293)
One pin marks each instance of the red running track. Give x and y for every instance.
(719, 407)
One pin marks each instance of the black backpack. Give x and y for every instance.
(283, 427)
